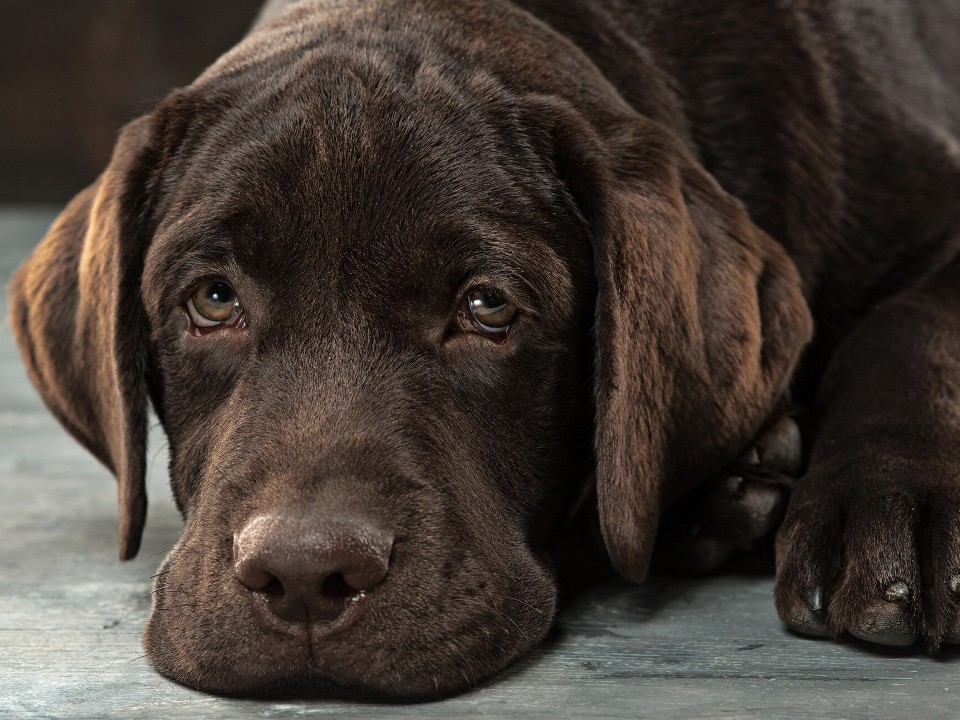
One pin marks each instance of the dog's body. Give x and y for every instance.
(373, 477)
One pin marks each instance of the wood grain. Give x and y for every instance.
(71, 616)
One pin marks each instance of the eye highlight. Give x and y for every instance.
(214, 304)
(487, 311)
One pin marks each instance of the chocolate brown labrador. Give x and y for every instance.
(409, 281)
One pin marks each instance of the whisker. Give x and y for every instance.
(176, 607)
(498, 611)
(466, 663)
(165, 591)
(535, 609)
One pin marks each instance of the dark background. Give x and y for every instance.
(72, 72)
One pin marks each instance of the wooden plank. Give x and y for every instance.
(71, 615)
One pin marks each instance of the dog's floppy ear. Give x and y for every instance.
(699, 323)
(79, 321)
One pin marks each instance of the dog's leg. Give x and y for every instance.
(733, 510)
(870, 544)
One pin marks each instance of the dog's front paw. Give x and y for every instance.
(733, 510)
(879, 560)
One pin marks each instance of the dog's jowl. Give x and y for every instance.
(409, 282)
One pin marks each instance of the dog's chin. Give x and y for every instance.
(311, 681)
(420, 637)
(444, 667)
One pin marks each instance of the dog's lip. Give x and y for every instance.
(309, 632)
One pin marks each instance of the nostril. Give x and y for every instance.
(255, 577)
(336, 588)
(274, 588)
(363, 571)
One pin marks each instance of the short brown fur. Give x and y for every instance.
(674, 197)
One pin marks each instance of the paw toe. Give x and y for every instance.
(879, 600)
(888, 620)
(761, 507)
(952, 635)
(806, 568)
(729, 513)
(806, 616)
(779, 449)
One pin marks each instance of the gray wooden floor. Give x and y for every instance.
(71, 615)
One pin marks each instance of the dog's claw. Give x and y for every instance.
(814, 599)
(733, 486)
(897, 592)
(807, 619)
(955, 584)
(779, 449)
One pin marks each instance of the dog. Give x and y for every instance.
(409, 283)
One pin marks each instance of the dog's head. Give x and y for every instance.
(395, 312)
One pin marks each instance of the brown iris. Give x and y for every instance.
(490, 311)
(213, 303)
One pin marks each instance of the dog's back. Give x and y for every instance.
(836, 123)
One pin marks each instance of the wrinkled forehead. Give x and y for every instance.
(366, 180)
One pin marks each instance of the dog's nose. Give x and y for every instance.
(311, 568)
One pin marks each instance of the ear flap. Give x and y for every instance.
(81, 327)
(700, 321)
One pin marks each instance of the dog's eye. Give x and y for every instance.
(213, 303)
(490, 311)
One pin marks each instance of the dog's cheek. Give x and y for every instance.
(198, 374)
(199, 391)
(442, 634)
(551, 459)
(202, 631)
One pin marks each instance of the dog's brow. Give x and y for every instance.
(176, 257)
(516, 253)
